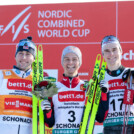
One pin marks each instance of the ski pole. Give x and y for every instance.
(128, 100)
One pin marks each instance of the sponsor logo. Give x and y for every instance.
(64, 79)
(28, 73)
(128, 96)
(48, 131)
(82, 87)
(25, 46)
(128, 56)
(7, 73)
(22, 26)
(18, 104)
(69, 125)
(116, 84)
(118, 114)
(17, 71)
(19, 84)
(71, 96)
(17, 119)
(65, 131)
(40, 70)
(52, 79)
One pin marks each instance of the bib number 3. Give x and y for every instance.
(72, 116)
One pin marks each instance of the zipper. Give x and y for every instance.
(70, 82)
(23, 75)
(19, 129)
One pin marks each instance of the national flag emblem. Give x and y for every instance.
(82, 87)
(25, 46)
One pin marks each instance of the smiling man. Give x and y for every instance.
(71, 61)
(15, 91)
(112, 51)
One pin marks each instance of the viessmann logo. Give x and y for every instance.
(19, 84)
(18, 104)
(22, 26)
(71, 96)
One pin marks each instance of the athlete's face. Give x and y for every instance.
(112, 55)
(71, 64)
(24, 60)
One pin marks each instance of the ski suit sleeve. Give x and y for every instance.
(103, 107)
(49, 116)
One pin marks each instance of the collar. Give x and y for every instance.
(116, 72)
(70, 82)
(21, 73)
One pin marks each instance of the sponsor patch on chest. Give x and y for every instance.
(116, 84)
(19, 84)
(18, 104)
(71, 96)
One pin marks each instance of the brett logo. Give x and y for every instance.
(22, 26)
(71, 96)
(19, 84)
(116, 84)
(128, 56)
(18, 104)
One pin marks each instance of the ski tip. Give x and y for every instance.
(98, 57)
(40, 48)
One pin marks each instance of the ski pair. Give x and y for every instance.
(128, 101)
(94, 92)
(37, 75)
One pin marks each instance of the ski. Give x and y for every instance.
(40, 69)
(97, 98)
(34, 98)
(37, 76)
(90, 96)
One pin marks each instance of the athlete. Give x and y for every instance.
(15, 91)
(65, 112)
(115, 84)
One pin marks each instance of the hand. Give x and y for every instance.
(88, 84)
(104, 86)
(132, 108)
(45, 105)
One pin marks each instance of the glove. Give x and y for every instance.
(45, 105)
(104, 86)
(132, 108)
(87, 84)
